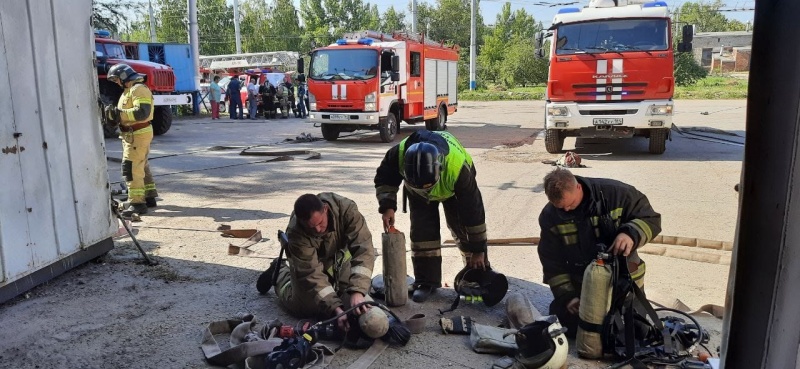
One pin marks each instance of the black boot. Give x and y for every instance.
(150, 202)
(134, 208)
(264, 282)
(422, 293)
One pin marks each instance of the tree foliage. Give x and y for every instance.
(706, 17)
(687, 71)
(111, 14)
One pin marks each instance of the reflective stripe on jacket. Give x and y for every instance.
(136, 105)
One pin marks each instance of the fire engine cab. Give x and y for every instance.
(611, 73)
(372, 81)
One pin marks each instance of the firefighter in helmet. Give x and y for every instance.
(283, 99)
(435, 168)
(133, 114)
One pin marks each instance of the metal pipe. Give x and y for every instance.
(236, 26)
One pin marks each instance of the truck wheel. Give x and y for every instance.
(330, 132)
(110, 131)
(389, 128)
(162, 120)
(554, 141)
(439, 123)
(658, 140)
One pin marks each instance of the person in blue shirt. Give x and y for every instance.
(233, 94)
(215, 95)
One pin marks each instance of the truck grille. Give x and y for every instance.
(609, 89)
(162, 81)
(609, 112)
(340, 105)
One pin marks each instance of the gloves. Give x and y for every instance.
(111, 113)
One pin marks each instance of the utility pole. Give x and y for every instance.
(473, 35)
(236, 26)
(194, 42)
(413, 16)
(152, 23)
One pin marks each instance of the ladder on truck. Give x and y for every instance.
(283, 60)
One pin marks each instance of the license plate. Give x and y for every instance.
(340, 117)
(607, 121)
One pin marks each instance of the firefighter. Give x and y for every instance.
(291, 97)
(268, 98)
(330, 260)
(133, 113)
(282, 96)
(301, 96)
(434, 167)
(583, 216)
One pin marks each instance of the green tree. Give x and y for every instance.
(706, 17)
(254, 26)
(687, 71)
(215, 27)
(392, 21)
(111, 15)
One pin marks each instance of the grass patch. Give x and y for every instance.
(709, 88)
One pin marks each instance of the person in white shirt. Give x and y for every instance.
(252, 92)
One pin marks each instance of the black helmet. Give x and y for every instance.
(486, 286)
(423, 163)
(542, 344)
(121, 73)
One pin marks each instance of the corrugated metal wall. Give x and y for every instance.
(54, 202)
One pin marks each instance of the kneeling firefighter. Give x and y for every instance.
(330, 259)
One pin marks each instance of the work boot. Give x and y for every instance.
(150, 202)
(264, 282)
(422, 293)
(135, 208)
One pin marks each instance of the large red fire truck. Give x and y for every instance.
(611, 73)
(369, 80)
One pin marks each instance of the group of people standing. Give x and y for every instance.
(262, 99)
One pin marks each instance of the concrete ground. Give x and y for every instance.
(120, 313)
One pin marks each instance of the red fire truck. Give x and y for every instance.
(372, 81)
(611, 73)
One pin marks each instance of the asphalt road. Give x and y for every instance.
(119, 312)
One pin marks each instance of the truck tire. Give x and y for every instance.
(162, 120)
(439, 123)
(658, 140)
(389, 128)
(330, 132)
(553, 141)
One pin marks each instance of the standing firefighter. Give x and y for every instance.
(435, 168)
(133, 113)
(283, 99)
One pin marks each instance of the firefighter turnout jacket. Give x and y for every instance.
(457, 180)
(135, 105)
(569, 239)
(340, 260)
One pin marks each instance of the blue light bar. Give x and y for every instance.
(365, 41)
(568, 10)
(341, 41)
(655, 4)
(102, 33)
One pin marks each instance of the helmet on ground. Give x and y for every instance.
(121, 73)
(542, 344)
(423, 165)
(488, 284)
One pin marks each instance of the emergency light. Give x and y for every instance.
(655, 4)
(361, 41)
(102, 33)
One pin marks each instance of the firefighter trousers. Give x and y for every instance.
(135, 166)
(426, 241)
(301, 304)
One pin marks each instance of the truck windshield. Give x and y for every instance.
(344, 64)
(113, 51)
(616, 35)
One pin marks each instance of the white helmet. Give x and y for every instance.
(541, 344)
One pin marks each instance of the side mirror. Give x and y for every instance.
(539, 53)
(688, 33)
(301, 66)
(396, 64)
(395, 68)
(539, 40)
(684, 47)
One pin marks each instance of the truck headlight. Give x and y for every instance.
(370, 98)
(660, 110)
(370, 106)
(312, 102)
(559, 111)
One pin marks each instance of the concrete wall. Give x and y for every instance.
(707, 48)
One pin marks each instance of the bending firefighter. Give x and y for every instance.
(434, 168)
(330, 259)
(133, 113)
(584, 217)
